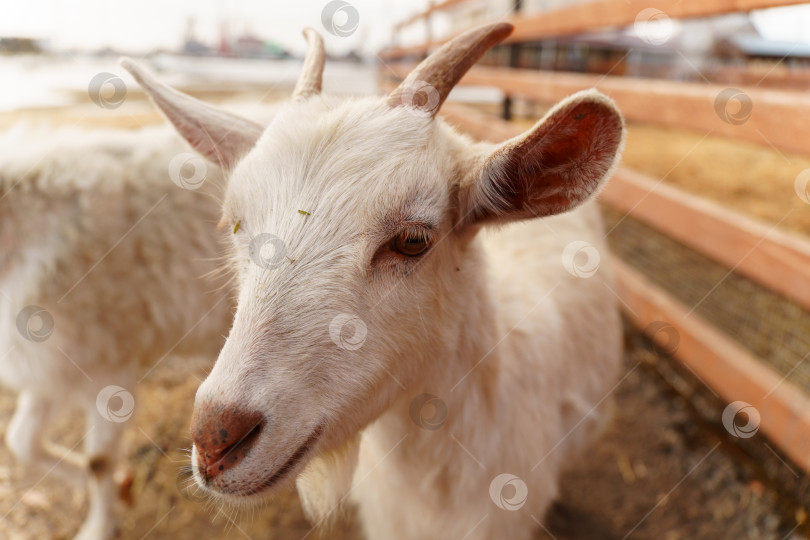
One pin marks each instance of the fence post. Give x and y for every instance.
(514, 55)
(428, 25)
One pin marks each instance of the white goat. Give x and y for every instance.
(99, 273)
(382, 347)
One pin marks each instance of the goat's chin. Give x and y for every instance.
(325, 482)
(248, 483)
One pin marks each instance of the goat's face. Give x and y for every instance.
(350, 221)
(337, 249)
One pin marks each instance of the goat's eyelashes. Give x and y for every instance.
(410, 244)
(403, 251)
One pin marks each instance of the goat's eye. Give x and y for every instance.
(410, 245)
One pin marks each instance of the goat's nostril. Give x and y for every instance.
(223, 437)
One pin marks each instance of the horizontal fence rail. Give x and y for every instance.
(767, 117)
(433, 8)
(730, 370)
(592, 15)
(612, 13)
(777, 260)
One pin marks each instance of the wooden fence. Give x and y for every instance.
(775, 259)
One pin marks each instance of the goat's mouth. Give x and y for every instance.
(263, 485)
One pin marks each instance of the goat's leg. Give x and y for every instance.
(101, 447)
(24, 437)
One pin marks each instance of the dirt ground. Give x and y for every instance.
(659, 472)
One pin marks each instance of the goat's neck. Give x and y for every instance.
(462, 367)
(459, 365)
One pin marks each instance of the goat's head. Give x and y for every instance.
(352, 223)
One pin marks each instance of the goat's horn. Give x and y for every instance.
(428, 85)
(309, 83)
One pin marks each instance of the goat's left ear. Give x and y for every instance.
(218, 135)
(557, 165)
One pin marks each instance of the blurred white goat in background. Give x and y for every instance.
(101, 256)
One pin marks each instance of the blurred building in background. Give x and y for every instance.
(726, 49)
(22, 45)
(245, 45)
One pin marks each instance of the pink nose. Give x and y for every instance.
(223, 436)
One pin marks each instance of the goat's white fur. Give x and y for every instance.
(522, 352)
(93, 230)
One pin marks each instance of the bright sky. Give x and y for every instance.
(146, 24)
(791, 23)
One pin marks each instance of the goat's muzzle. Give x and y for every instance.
(223, 437)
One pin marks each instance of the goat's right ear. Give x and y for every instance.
(554, 167)
(218, 135)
